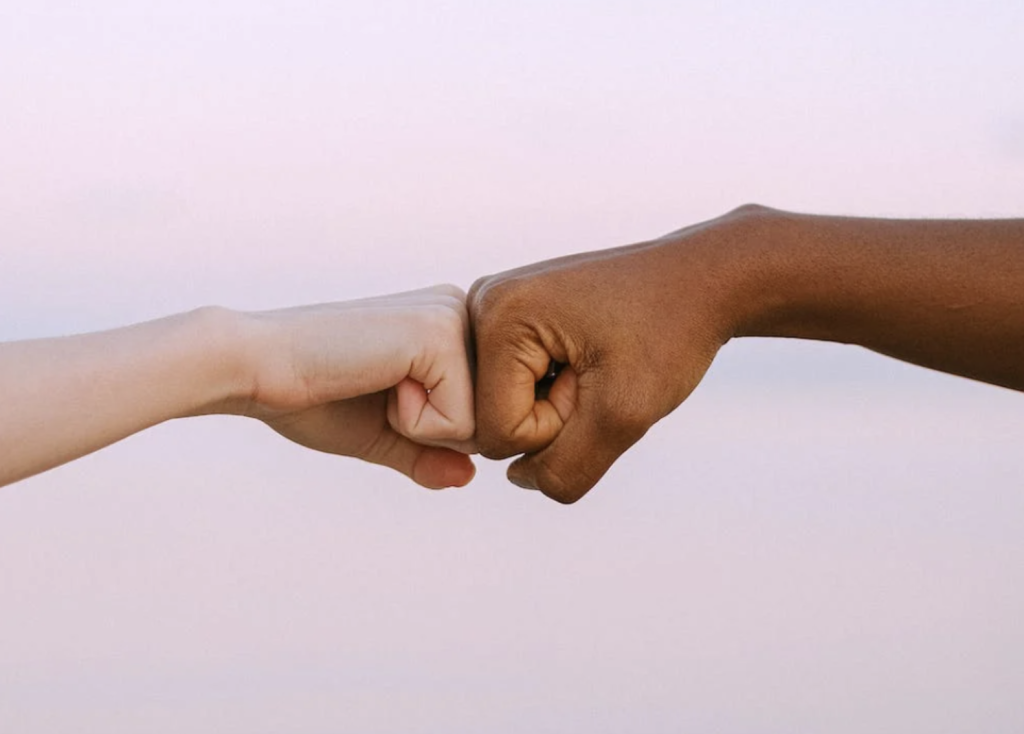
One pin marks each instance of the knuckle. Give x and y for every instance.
(476, 290)
(456, 305)
(409, 426)
(490, 296)
(461, 430)
(501, 437)
(494, 447)
(503, 322)
(452, 291)
(498, 440)
(445, 318)
(442, 325)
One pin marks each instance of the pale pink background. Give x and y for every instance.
(820, 540)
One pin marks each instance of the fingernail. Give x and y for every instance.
(521, 483)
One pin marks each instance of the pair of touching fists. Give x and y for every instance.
(565, 363)
(548, 361)
(569, 362)
(630, 333)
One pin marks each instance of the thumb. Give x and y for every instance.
(433, 467)
(596, 431)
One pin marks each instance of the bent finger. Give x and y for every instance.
(591, 440)
(510, 360)
(435, 400)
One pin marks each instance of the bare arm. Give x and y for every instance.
(346, 378)
(944, 294)
(638, 326)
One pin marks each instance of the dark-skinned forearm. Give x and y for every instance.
(945, 294)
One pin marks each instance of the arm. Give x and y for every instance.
(346, 378)
(943, 294)
(638, 326)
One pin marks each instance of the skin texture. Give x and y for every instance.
(637, 327)
(345, 378)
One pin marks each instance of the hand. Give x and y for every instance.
(383, 379)
(635, 328)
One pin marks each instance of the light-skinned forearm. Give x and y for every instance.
(66, 397)
(383, 379)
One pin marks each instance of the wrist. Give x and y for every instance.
(811, 276)
(217, 352)
(767, 259)
(725, 272)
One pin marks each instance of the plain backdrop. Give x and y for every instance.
(821, 539)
